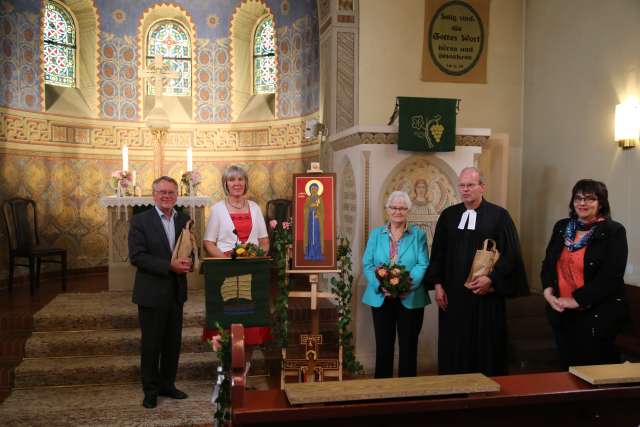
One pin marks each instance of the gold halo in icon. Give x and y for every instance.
(308, 186)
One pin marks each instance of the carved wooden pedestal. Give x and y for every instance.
(312, 367)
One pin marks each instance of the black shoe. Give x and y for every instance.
(174, 394)
(150, 401)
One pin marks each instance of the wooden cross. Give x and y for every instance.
(313, 293)
(158, 73)
(158, 119)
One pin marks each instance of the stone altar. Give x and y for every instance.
(120, 210)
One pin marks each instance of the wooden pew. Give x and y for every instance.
(556, 398)
(628, 342)
(530, 400)
(238, 362)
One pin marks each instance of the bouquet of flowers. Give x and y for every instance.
(393, 278)
(122, 180)
(191, 179)
(246, 250)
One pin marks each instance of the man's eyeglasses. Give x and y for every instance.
(166, 193)
(398, 208)
(467, 186)
(585, 199)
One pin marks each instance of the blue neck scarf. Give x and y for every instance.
(570, 233)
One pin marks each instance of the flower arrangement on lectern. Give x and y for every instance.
(189, 182)
(247, 250)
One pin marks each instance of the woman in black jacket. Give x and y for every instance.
(582, 276)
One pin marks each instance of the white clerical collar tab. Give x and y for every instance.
(469, 218)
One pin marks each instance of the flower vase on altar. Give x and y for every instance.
(123, 182)
(189, 183)
(188, 190)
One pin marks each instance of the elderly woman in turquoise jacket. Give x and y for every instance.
(399, 243)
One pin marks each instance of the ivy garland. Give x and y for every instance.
(341, 287)
(282, 239)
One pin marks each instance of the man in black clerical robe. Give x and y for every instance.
(472, 321)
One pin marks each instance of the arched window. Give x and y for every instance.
(59, 46)
(171, 40)
(264, 60)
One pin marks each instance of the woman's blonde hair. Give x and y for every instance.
(232, 171)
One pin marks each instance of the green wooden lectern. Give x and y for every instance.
(237, 291)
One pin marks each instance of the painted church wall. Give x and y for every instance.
(19, 55)
(582, 58)
(65, 165)
(390, 61)
(65, 162)
(118, 69)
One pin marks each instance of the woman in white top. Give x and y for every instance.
(235, 219)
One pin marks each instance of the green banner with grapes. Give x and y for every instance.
(427, 124)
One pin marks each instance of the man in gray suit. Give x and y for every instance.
(160, 290)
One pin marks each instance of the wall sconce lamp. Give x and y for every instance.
(313, 129)
(627, 126)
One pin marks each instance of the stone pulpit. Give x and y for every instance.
(120, 210)
(369, 167)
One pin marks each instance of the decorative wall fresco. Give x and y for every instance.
(19, 57)
(118, 74)
(65, 165)
(297, 37)
(67, 193)
(212, 83)
(299, 71)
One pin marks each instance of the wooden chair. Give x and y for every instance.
(23, 241)
(280, 210)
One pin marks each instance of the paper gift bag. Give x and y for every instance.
(484, 261)
(186, 245)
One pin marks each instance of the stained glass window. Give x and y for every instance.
(59, 46)
(264, 60)
(171, 40)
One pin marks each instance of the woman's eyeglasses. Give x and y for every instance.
(398, 208)
(585, 199)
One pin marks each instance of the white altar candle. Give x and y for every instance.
(125, 158)
(189, 159)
